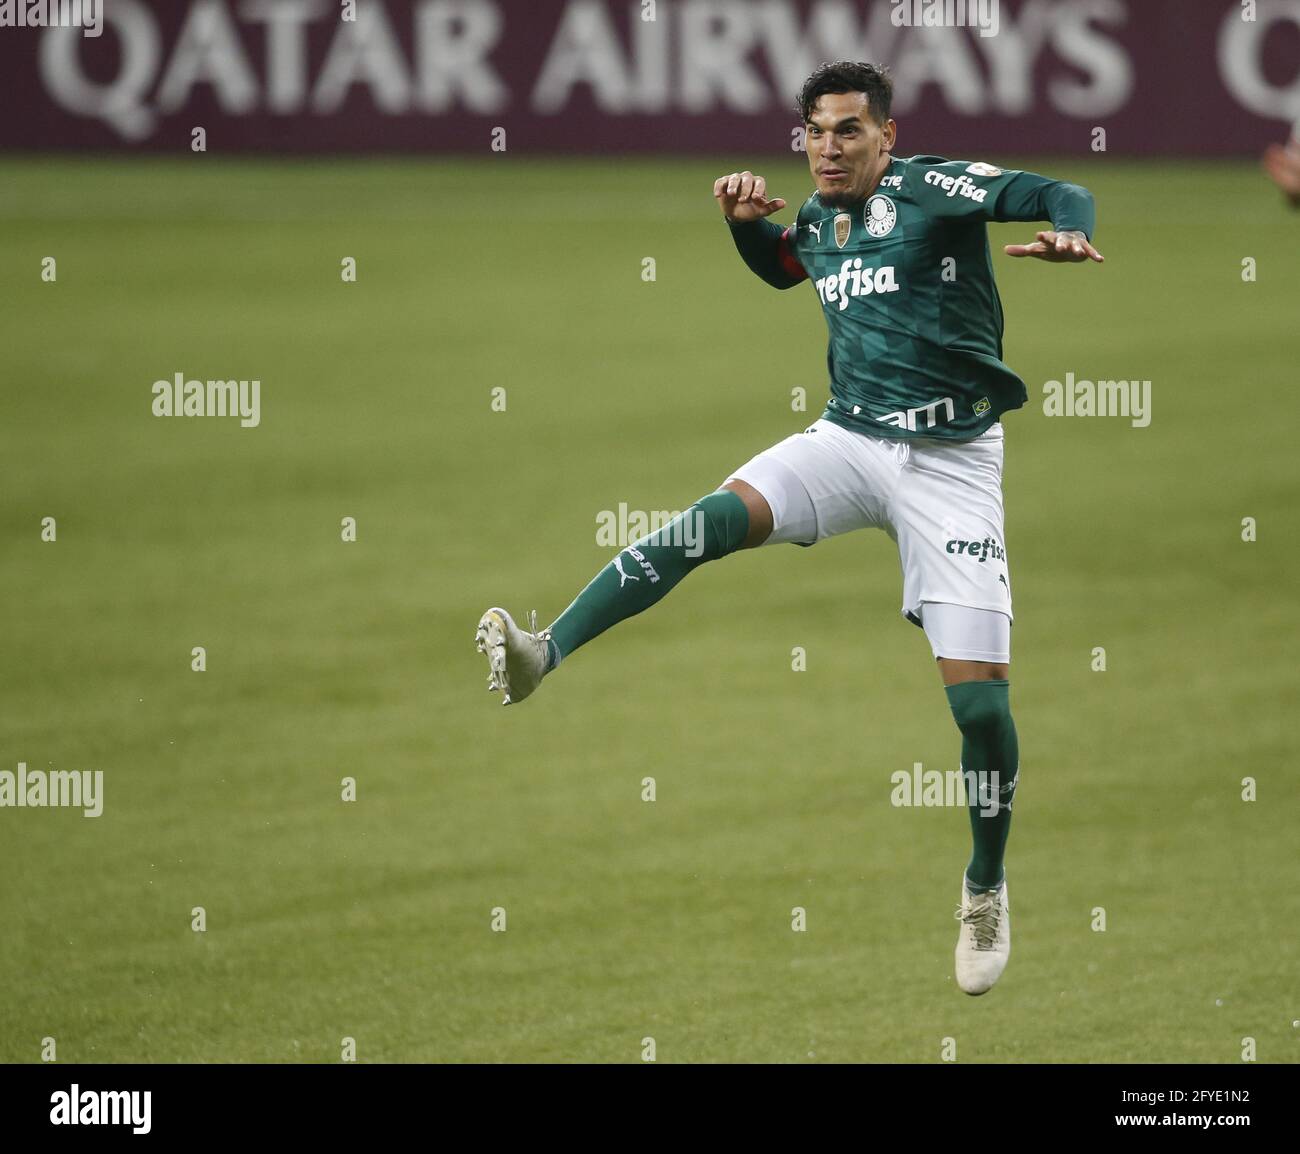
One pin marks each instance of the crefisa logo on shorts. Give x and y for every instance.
(980, 550)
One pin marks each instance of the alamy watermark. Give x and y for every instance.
(623, 527)
(88, 15)
(66, 788)
(1077, 397)
(78, 1107)
(181, 398)
(974, 789)
(981, 15)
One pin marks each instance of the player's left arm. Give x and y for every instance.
(953, 188)
(1070, 208)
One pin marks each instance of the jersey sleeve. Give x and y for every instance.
(767, 248)
(979, 191)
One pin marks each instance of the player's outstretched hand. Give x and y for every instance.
(1057, 247)
(742, 196)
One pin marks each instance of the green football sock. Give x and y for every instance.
(982, 710)
(644, 571)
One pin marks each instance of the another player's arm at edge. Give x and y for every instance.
(763, 244)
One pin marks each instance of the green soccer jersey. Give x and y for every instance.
(905, 281)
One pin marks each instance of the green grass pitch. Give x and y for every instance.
(626, 919)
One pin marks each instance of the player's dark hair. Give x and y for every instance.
(846, 76)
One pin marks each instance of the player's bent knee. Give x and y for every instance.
(759, 511)
(721, 524)
(980, 707)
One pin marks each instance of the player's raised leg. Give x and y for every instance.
(642, 574)
(734, 517)
(813, 484)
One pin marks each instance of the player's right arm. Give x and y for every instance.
(763, 244)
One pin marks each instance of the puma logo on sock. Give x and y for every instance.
(623, 578)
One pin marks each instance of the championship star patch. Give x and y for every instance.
(843, 225)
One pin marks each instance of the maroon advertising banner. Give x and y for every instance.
(1194, 77)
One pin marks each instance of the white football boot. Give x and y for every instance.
(984, 941)
(516, 660)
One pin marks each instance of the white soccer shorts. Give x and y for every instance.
(940, 500)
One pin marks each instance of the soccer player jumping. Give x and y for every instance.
(910, 441)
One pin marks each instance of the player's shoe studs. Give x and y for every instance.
(516, 660)
(984, 941)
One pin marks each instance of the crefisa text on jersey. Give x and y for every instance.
(855, 281)
(954, 185)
